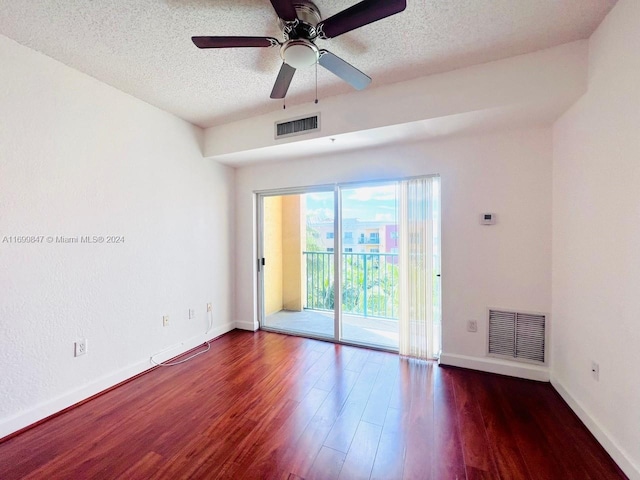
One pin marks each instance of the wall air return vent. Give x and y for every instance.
(517, 336)
(297, 126)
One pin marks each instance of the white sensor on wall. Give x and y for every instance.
(488, 218)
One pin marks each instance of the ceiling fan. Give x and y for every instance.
(301, 25)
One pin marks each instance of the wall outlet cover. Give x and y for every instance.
(80, 347)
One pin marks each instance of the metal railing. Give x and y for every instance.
(369, 283)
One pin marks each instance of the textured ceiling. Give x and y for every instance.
(143, 47)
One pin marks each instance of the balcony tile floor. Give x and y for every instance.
(378, 332)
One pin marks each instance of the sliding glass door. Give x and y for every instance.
(361, 243)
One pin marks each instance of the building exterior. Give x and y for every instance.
(360, 236)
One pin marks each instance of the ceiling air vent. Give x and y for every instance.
(297, 126)
(517, 335)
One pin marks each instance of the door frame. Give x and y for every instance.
(279, 192)
(337, 228)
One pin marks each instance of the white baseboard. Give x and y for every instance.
(251, 326)
(55, 405)
(604, 438)
(49, 407)
(495, 365)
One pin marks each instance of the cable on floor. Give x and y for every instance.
(162, 364)
(207, 343)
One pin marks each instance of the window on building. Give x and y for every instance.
(329, 235)
(348, 235)
(348, 250)
(374, 250)
(330, 249)
(374, 237)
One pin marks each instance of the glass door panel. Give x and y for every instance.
(297, 279)
(369, 264)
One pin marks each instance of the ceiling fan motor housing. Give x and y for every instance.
(305, 26)
(298, 50)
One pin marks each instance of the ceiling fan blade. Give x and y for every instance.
(232, 42)
(344, 70)
(285, 10)
(359, 15)
(283, 81)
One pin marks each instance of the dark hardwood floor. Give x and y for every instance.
(272, 406)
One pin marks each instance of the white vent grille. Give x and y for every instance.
(518, 335)
(297, 126)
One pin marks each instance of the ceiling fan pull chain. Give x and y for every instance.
(316, 83)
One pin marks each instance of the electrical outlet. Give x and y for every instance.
(209, 307)
(80, 347)
(472, 326)
(165, 321)
(595, 371)
(192, 314)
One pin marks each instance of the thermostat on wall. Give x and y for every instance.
(488, 218)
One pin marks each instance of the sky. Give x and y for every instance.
(372, 203)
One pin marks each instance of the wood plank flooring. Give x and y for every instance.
(269, 406)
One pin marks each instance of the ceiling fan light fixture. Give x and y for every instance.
(299, 53)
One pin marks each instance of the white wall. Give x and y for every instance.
(505, 265)
(80, 158)
(596, 241)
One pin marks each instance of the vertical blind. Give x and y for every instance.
(418, 301)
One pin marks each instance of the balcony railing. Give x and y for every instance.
(369, 283)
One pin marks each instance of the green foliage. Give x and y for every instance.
(313, 240)
(369, 284)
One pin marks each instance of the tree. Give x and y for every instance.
(313, 240)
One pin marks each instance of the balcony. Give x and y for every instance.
(376, 331)
(369, 299)
(369, 283)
